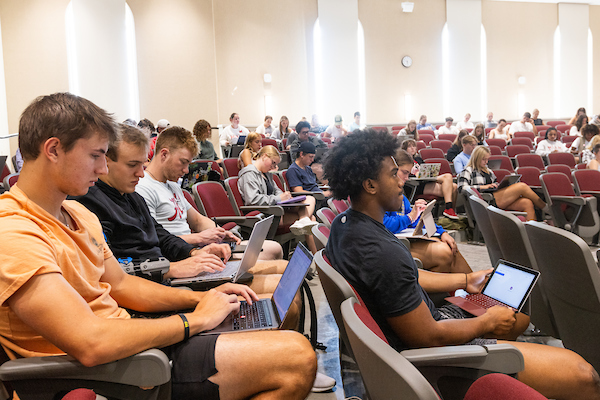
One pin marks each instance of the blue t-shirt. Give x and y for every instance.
(297, 176)
(379, 267)
(397, 221)
(460, 162)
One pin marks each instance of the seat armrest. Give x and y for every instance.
(244, 221)
(503, 358)
(316, 195)
(593, 192)
(487, 196)
(270, 210)
(574, 200)
(517, 213)
(146, 369)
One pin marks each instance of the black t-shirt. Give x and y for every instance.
(379, 267)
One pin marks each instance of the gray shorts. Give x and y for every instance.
(451, 311)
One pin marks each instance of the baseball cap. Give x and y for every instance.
(162, 123)
(307, 148)
(338, 119)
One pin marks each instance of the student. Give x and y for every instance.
(524, 125)
(456, 147)
(202, 131)
(448, 128)
(231, 133)
(588, 155)
(465, 124)
(501, 131)
(594, 164)
(265, 128)
(580, 111)
(257, 188)
(587, 133)
(516, 197)
(575, 130)
(383, 272)
(444, 185)
(489, 122)
(439, 255)
(283, 131)
(57, 264)
(535, 116)
(251, 148)
(479, 134)
(423, 124)
(550, 144)
(460, 161)
(410, 129)
(300, 175)
(356, 123)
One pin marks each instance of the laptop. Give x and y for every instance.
(426, 222)
(197, 172)
(509, 285)
(270, 313)
(241, 140)
(494, 164)
(234, 269)
(429, 170)
(505, 182)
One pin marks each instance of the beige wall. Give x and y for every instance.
(520, 39)
(595, 28)
(391, 34)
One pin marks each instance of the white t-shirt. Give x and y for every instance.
(229, 134)
(265, 131)
(464, 125)
(518, 126)
(354, 126)
(453, 130)
(574, 132)
(334, 131)
(166, 203)
(546, 147)
(576, 142)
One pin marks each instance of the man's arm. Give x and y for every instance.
(435, 282)
(206, 230)
(417, 328)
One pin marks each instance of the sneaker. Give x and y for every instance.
(322, 383)
(450, 213)
(303, 226)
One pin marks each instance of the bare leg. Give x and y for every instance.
(558, 373)
(271, 250)
(264, 284)
(508, 195)
(443, 187)
(273, 365)
(269, 267)
(437, 256)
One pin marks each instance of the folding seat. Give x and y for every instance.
(563, 128)
(10, 180)
(530, 176)
(421, 145)
(338, 206)
(522, 141)
(530, 160)
(321, 234)
(496, 142)
(505, 162)
(231, 167)
(326, 216)
(501, 173)
(213, 166)
(438, 126)
(269, 142)
(577, 214)
(567, 159)
(482, 219)
(398, 127)
(426, 137)
(395, 132)
(326, 140)
(560, 168)
(586, 182)
(542, 128)
(431, 153)
(488, 130)
(380, 128)
(581, 166)
(527, 134)
(555, 123)
(513, 150)
(568, 140)
(494, 150)
(572, 284)
(441, 144)
(447, 136)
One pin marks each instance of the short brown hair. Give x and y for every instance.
(174, 138)
(128, 134)
(408, 142)
(201, 130)
(63, 116)
(403, 158)
(469, 140)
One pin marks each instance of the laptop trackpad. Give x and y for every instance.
(467, 305)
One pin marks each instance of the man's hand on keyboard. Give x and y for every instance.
(214, 307)
(195, 265)
(239, 290)
(476, 280)
(501, 319)
(221, 250)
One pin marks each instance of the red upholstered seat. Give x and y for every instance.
(567, 159)
(231, 167)
(515, 149)
(530, 160)
(441, 144)
(431, 153)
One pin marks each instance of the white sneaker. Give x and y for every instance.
(303, 226)
(322, 383)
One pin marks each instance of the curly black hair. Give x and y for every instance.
(356, 158)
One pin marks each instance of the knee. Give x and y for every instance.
(443, 252)
(273, 249)
(587, 376)
(302, 358)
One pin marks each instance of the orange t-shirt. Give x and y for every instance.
(33, 242)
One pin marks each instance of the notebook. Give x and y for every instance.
(509, 285)
(429, 170)
(197, 172)
(297, 199)
(234, 269)
(271, 313)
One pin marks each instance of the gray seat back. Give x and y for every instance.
(479, 208)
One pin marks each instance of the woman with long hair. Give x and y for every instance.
(283, 131)
(257, 188)
(550, 144)
(410, 129)
(456, 147)
(580, 111)
(582, 120)
(251, 148)
(479, 134)
(516, 197)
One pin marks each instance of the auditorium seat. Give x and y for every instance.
(231, 167)
(505, 162)
(530, 160)
(426, 137)
(447, 136)
(561, 169)
(494, 150)
(524, 141)
(431, 153)
(567, 159)
(564, 128)
(514, 149)
(496, 142)
(527, 134)
(441, 144)
(555, 123)
(326, 216)
(568, 140)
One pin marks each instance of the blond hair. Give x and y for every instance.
(477, 156)
(269, 151)
(595, 140)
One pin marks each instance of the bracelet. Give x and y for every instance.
(466, 281)
(186, 325)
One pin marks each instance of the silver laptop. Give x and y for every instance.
(270, 313)
(509, 286)
(234, 269)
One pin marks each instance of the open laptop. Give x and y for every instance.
(270, 313)
(494, 164)
(509, 285)
(426, 222)
(233, 269)
(505, 182)
(429, 170)
(197, 172)
(241, 140)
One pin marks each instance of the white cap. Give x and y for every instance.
(162, 123)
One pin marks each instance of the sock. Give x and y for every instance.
(449, 206)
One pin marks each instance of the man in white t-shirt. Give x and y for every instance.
(448, 128)
(524, 125)
(167, 203)
(337, 130)
(356, 123)
(231, 133)
(466, 124)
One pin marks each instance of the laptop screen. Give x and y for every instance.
(292, 278)
(510, 283)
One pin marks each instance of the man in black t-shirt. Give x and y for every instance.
(368, 167)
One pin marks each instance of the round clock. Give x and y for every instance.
(406, 61)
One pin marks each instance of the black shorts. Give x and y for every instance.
(193, 363)
(451, 311)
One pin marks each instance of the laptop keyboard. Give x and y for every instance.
(230, 269)
(256, 315)
(484, 301)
